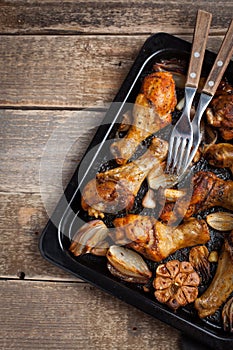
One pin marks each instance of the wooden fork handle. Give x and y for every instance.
(198, 48)
(221, 62)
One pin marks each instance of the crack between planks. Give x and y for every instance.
(22, 280)
(213, 33)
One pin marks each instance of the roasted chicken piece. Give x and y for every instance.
(220, 155)
(208, 190)
(227, 316)
(153, 239)
(151, 112)
(220, 112)
(115, 189)
(222, 284)
(176, 283)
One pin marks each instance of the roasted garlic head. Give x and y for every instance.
(176, 284)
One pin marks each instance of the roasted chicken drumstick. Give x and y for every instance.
(222, 285)
(115, 189)
(157, 241)
(208, 191)
(151, 112)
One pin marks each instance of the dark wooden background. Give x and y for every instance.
(57, 57)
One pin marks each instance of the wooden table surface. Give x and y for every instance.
(57, 57)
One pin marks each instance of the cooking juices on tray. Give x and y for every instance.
(139, 246)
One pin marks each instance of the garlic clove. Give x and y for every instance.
(213, 257)
(198, 257)
(149, 200)
(221, 221)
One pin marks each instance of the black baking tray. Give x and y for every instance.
(55, 238)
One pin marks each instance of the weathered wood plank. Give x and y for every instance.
(22, 218)
(39, 153)
(36, 315)
(109, 16)
(66, 71)
(43, 145)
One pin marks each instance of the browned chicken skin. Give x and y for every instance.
(152, 112)
(208, 191)
(156, 241)
(115, 189)
(221, 286)
(220, 112)
(220, 155)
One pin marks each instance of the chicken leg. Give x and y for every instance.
(221, 286)
(153, 239)
(151, 112)
(115, 189)
(208, 191)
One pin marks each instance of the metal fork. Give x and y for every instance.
(181, 138)
(212, 82)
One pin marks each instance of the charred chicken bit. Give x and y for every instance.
(115, 189)
(221, 286)
(153, 239)
(151, 112)
(176, 284)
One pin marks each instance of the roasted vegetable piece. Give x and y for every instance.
(90, 238)
(115, 189)
(155, 240)
(198, 257)
(208, 191)
(222, 284)
(127, 265)
(227, 316)
(176, 284)
(151, 112)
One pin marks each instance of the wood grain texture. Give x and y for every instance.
(58, 316)
(39, 152)
(107, 17)
(39, 145)
(67, 71)
(22, 219)
(68, 55)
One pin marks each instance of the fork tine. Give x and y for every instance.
(170, 152)
(180, 145)
(174, 153)
(182, 152)
(184, 155)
